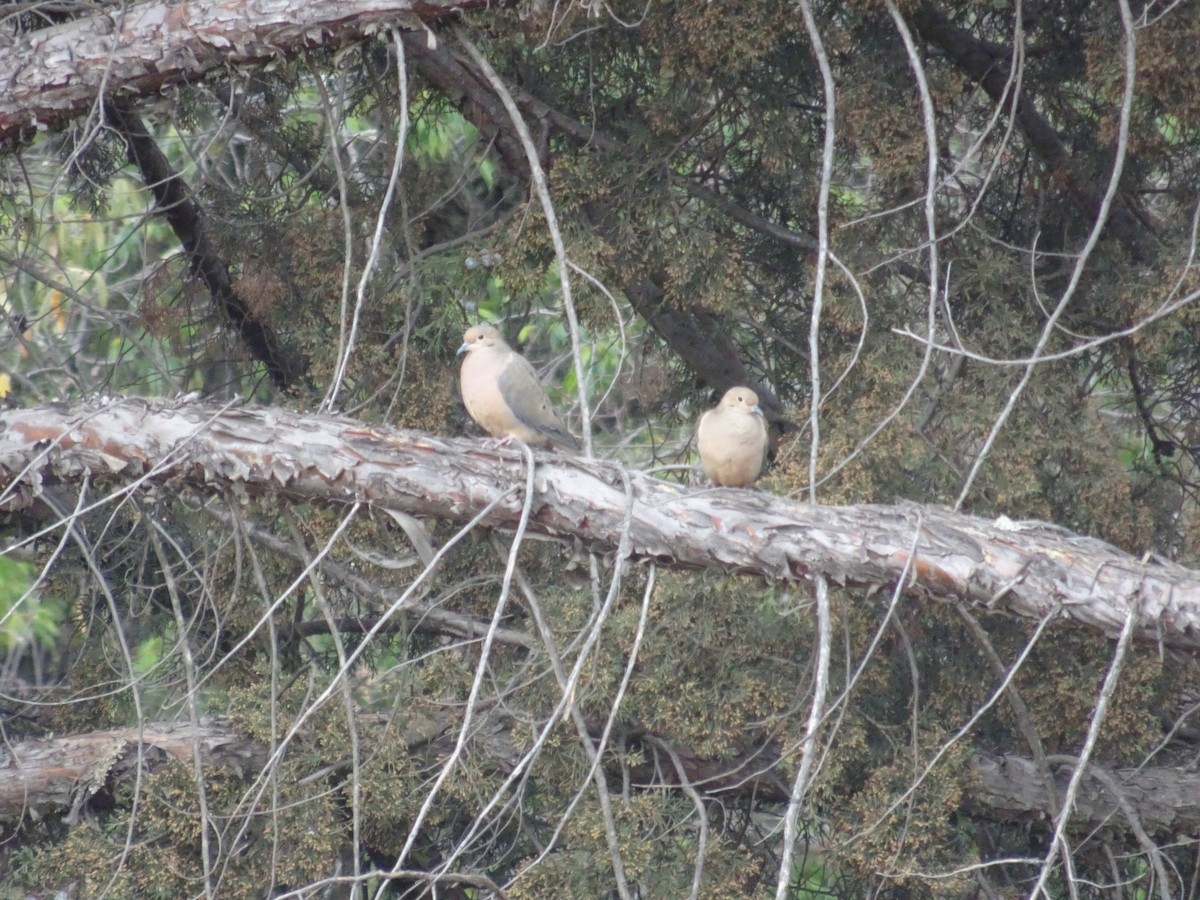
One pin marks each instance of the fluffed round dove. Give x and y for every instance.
(502, 393)
(732, 439)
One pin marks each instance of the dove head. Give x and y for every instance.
(478, 337)
(741, 399)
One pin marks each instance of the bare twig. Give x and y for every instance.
(824, 629)
(469, 706)
(1120, 152)
(538, 177)
(1058, 845)
(347, 342)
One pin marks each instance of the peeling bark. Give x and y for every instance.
(1029, 569)
(53, 74)
(65, 773)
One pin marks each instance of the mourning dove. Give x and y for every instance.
(502, 393)
(733, 439)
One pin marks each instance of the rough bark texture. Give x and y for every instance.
(66, 773)
(63, 775)
(56, 73)
(1164, 800)
(1030, 569)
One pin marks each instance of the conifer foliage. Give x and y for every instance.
(275, 623)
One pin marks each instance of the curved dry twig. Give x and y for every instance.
(538, 177)
(480, 670)
(824, 629)
(346, 343)
(157, 535)
(1058, 843)
(1120, 152)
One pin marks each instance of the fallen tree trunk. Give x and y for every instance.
(38, 777)
(61, 775)
(1162, 800)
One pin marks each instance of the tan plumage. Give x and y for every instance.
(502, 393)
(732, 439)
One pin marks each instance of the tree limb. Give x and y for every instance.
(1165, 799)
(53, 74)
(1028, 569)
(61, 773)
(41, 775)
(175, 203)
(988, 65)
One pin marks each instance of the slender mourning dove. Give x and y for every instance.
(733, 439)
(502, 392)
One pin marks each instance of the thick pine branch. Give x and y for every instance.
(1032, 569)
(65, 773)
(53, 74)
